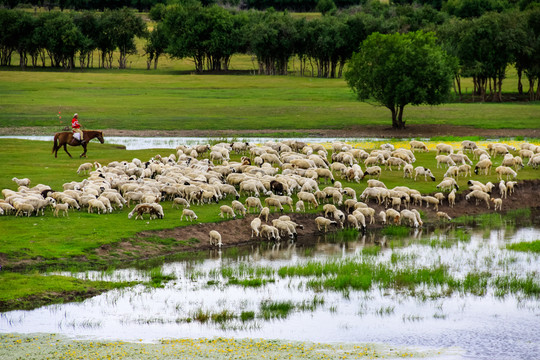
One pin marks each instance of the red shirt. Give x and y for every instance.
(75, 123)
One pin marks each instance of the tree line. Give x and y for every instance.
(483, 46)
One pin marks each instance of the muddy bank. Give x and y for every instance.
(412, 130)
(238, 232)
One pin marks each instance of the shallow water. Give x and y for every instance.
(481, 327)
(139, 143)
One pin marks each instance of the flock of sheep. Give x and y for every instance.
(277, 171)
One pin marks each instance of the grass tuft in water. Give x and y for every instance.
(533, 246)
(278, 309)
(157, 278)
(396, 230)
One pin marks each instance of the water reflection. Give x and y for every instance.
(485, 327)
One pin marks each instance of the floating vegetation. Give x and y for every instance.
(396, 230)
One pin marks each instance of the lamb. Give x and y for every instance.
(215, 238)
(189, 214)
(329, 208)
(367, 212)
(497, 203)
(505, 170)
(255, 226)
(420, 170)
(225, 211)
(478, 195)
(441, 215)
(353, 221)
(324, 223)
(21, 182)
(146, 208)
(360, 218)
(23, 208)
(300, 206)
(84, 168)
(60, 207)
(439, 196)
(465, 169)
(264, 213)
(418, 145)
(6, 208)
(253, 202)
(395, 161)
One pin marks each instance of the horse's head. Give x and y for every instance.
(100, 137)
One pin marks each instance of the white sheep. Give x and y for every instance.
(444, 148)
(255, 227)
(225, 211)
(265, 212)
(21, 182)
(452, 198)
(410, 217)
(483, 166)
(270, 232)
(418, 145)
(253, 202)
(300, 206)
(497, 204)
(273, 202)
(420, 170)
(373, 171)
(309, 198)
(96, 204)
(189, 214)
(441, 215)
(445, 160)
(478, 195)
(324, 223)
(505, 170)
(503, 190)
(510, 185)
(382, 216)
(215, 238)
(408, 171)
(238, 207)
(84, 168)
(177, 202)
(468, 145)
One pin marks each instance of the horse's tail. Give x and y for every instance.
(55, 144)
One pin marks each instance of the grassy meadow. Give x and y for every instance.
(175, 100)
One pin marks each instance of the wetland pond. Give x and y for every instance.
(452, 288)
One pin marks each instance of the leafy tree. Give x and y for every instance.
(528, 54)
(473, 8)
(156, 45)
(9, 35)
(399, 69)
(60, 37)
(326, 7)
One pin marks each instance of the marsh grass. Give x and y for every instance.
(396, 230)
(532, 246)
(157, 278)
(275, 309)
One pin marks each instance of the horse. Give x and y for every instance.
(66, 138)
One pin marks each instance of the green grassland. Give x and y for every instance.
(172, 100)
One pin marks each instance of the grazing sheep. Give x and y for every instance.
(329, 209)
(324, 223)
(23, 208)
(497, 204)
(418, 145)
(483, 166)
(468, 145)
(96, 204)
(154, 210)
(453, 171)
(479, 152)
(373, 171)
(265, 212)
(441, 215)
(215, 238)
(408, 171)
(177, 202)
(21, 182)
(367, 212)
(534, 162)
(444, 149)
(269, 202)
(372, 183)
(447, 185)
(225, 211)
(300, 206)
(382, 216)
(418, 217)
(445, 160)
(478, 195)
(465, 169)
(409, 217)
(270, 232)
(431, 200)
(503, 190)
(309, 198)
(84, 168)
(238, 207)
(420, 170)
(189, 214)
(439, 196)
(505, 170)
(460, 158)
(353, 221)
(510, 185)
(253, 202)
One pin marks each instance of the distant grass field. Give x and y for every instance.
(141, 100)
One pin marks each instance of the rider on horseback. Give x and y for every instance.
(76, 127)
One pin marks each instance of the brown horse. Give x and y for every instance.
(66, 138)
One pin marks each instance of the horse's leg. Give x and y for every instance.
(84, 153)
(67, 152)
(56, 152)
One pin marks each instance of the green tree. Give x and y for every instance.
(326, 7)
(399, 69)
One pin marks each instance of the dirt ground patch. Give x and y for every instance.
(412, 130)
